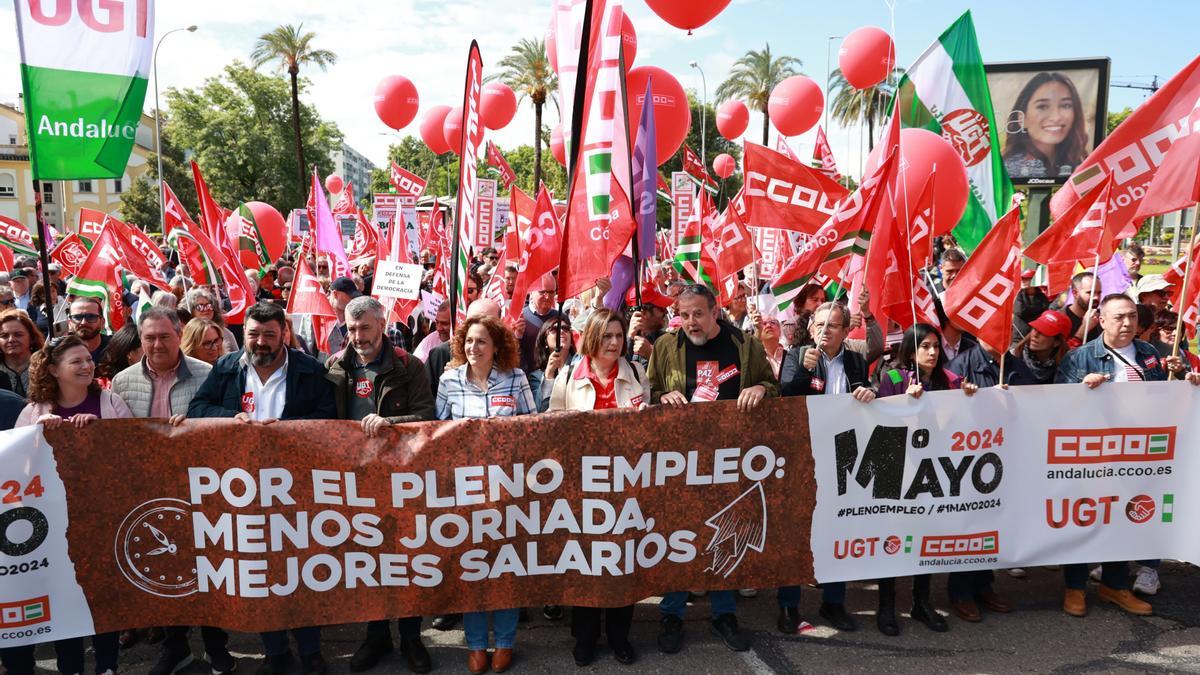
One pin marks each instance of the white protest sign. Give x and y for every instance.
(397, 280)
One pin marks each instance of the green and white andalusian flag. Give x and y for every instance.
(84, 70)
(946, 92)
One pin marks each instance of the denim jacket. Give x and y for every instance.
(1094, 357)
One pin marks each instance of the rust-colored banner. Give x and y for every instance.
(260, 527)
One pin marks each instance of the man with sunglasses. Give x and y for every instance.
(86, 319)
(7, 301)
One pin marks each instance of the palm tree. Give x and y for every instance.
(754, 76)
(851, 106)
(527, 70)
(292, 49)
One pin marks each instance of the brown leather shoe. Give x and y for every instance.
(1125, 600)
(993, 602)
(477, 662)
(501, 660)
(966, 610)
(1075, 602)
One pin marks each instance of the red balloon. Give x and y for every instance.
(795, 105)
(452, 129)
(557, 146)
(867, 57)
(724, 165)
(333, 183)
(497, 105)
(628, 38)
(672, 115)
(732, 119)
(273, 227)
(687, 14)
(432, 129)
(396, 101)
(921, 151)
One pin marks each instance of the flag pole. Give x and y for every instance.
(1087, 316)
(637, 230)
(1003, 354)
(43, 255)
(1187, 274)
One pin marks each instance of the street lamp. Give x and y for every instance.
(703, 112)
(828, 77)
(162, 206)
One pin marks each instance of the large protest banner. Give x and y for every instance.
(1030, 476)
(257, 527)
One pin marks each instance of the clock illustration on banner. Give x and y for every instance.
(153, 548)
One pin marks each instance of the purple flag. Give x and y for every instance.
(645, 206)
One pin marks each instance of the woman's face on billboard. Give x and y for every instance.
(1050, 115)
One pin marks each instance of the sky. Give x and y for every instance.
(427, 42)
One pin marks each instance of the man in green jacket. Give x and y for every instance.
(707, 360)
(379, 385)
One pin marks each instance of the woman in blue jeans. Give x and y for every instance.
(483, 381)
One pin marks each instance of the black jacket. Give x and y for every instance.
(978, 367)
(309, 395)
(796, 380)
(402, 384)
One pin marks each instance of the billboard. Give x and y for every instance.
(1050, 115)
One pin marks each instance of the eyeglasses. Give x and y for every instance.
(211, 344)
(203, 306)
(8, 302)
(89, 317)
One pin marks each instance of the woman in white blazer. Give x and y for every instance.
(602, 378)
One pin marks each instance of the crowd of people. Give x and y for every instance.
(673, 345)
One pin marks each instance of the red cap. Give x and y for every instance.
(1052, 323)
(650, 296)
(1027, 275)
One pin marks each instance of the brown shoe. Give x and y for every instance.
(477, 662)
(1075, 602)
(993, 602)
(966, 610)
(1125, 600)
(501, 660)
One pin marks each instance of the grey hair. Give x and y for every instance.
(164, 299)
(699, 290)
(830, 306)
(195, 295)
(363, 304)
(160, 313)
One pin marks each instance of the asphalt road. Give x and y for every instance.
(1036, 637)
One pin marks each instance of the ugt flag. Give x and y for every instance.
(946, 92)
(84, 68)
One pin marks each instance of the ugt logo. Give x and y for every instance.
(881, 466)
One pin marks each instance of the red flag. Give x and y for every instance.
(662, 183)
(307, 295)
(99, 277)
(600, 218)
(6, 259)
(345, 205)
(782, 147)
(1148, 178)
(695, 167)
(1090, 236)
(406, 182)
(366, 240)
(70, 254)
(981, 300)
(507, 176)
(91, 222)
(540, 241)
(396, 249)
(735, 244)
(212, 217)
(466, 210)
(1174, 276)
(823, 155)
(911, 245)
(140, 256)
(784, 193)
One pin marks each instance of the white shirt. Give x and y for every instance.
(264, 400)
(1121, 370)
(835, 374)
(951, 350)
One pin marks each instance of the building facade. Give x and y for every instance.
(61, 200)
(355, 170)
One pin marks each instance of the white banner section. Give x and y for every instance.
(1030, 476)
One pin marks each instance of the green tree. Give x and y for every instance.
(527, 70)
(850, 106)
(292, 48)
(139, 204)
(237, 127)
(715, 144)
(1114, 119)
(752, 78)
(524, 162)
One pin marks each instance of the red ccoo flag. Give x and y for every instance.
(980, 301)
(823, 155)
(784, 193)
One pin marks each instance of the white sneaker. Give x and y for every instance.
(1017, 572)
(748, 592)
(1147, 581)
(1096, 573)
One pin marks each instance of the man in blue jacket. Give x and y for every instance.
(1115, 356)
(265, 382)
